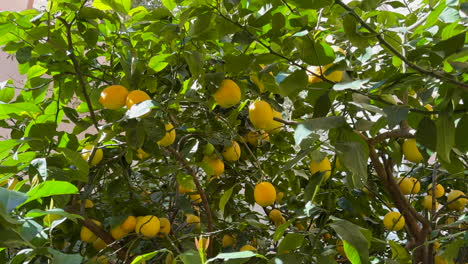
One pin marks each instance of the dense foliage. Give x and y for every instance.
(358, 84)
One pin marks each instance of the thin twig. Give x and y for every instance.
(383, 42)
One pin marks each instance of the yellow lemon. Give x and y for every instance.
(253, 137)
(427, 202)
(248, 248)
(49, 218)
(411, 151)
(281, 221)
(141, 154)
(228, 94)
(165, 227)
(99, 244)
(322, 166)
(327, 236)
(113, 97)
(335, 76)
(256, 80)
(275, 215)
(86, 152)
(193, 220)
(196, 198)
(279, 197)
(264, 194)
(274, 126)
(340, 248)
(300, 226)
(260, 114)
(169, 137)
(182, 189)
(88, 203)
(228, 240)
(117, 232)
(439, 260)
(147, 226)
(394, 221)
(86, 235)
(409, 185)
(233, 152)
(436, 245)
(439, 190)
(216, 165)
(135, 97)
(459, 204)
(128, 225)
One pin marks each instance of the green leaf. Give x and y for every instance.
(19, 109)
(169, 4)
(225, 198)
(305, 128)
(354, 157)
(190, 257)
(280, 230)
(399, 253)
(236, 63)
(445, 136)
(195, 61)
(322, 106)
(82, 167)
(50, 188)
(426, 133)
(6, 93)
(314, 53)
(59, 257)
(302, 154)
(236, 255)
(351, 253)
(460, 134)
(58, 211)
(351, 233)
(36, 71)
(158, 62)
(449, 46)
(354, 85)
(148, 256)
(121, 6)
(11, 238)
(290, 242)
(311, 4)
(141, 109)
(293, 83)
(41, 166)
(396, 114)
(11, 199)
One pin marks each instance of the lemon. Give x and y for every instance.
(260, 114)
(274, 126)
(394, 221)
(165, 227)
(248, 248)
(427, 202)
(300, 226)
(99, 244)
(436, 245)
(459, 204)
(439, 260)
(141, 154)
(182, 189)
(169, 137)
(228, 94)
(128, 225)
(117, 232)
(338, 165)
(135, 97)
(340, 248)
(86, 152)
(335, 76)
(196, 198)
(327, 236)
(113, 97)
(411, 152)
(275, 215)
(428, 107)
(409, 185)
(216, 165)
(228, 240)
(253, 137)
(193, 220)
(281, 221)
(147, 226)
(49, 218)
(264, 194)
(86, 235)
(279, 197)
(439, 190)
(322, 166)
(233, 152)
(88, 203)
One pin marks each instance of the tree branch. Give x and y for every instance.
(383, 42)
(200, 190)
(79, 74)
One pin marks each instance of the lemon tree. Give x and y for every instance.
(237, 131)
